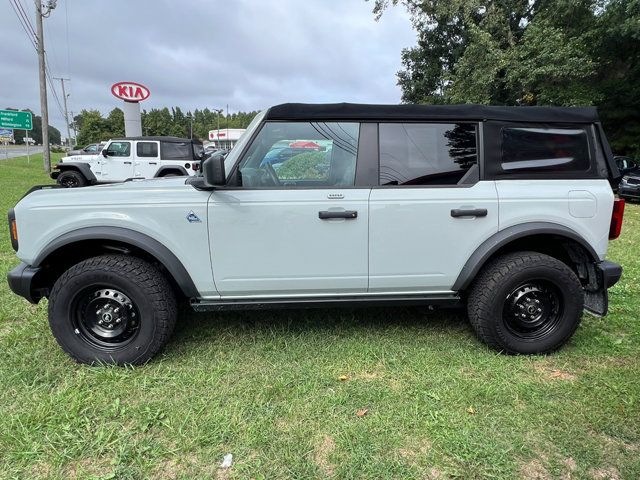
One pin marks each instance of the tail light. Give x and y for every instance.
(196, 167)
(616, 218)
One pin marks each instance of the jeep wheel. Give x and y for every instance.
(112, 309)
(525, 302)
(71, 179)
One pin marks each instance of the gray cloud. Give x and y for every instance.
(195, 53)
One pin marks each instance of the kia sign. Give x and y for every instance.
(130, 91)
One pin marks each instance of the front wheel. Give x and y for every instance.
(112, 309)
(526, 303)
(71, 179)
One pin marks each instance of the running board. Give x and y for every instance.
(326, 302)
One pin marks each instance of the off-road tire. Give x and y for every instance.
(71, 179)
(490, 292)
(143, 283)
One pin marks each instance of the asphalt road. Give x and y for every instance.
(17, 151)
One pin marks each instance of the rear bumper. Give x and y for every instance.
(22, 281)
(611, 273)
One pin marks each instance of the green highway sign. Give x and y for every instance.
(14, 119)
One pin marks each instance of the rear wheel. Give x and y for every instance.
(526, 302)
(113, 309)
(71, 179)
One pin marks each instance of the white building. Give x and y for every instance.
(225, 137)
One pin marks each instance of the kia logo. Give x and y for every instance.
(130, 91)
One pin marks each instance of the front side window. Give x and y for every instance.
(91, 148)
(302, 154)
(119, 149)
(147, 149)
(526, 149)
(426, 153)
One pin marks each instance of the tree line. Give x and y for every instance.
(93, 127)
(528, 52)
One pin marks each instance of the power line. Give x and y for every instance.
(26, 17)
(66, 26)
(30, 36)
(54, 58)
(53, 90)
(27, 26)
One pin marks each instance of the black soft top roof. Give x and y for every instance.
(160, 139)
(356, 111)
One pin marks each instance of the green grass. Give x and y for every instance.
(266, 387)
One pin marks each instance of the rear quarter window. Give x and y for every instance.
(176, 151)
(531, 149)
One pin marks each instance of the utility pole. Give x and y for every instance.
(219, 111)
(40, 14)
(66, 113)
(75, 130)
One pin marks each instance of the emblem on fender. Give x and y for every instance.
(193, 218)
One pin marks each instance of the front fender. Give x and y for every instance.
(83, 168)
(130, 237)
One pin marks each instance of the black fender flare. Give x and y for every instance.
(180, 168)
(498, 240)
(132, 237)
(83, 168)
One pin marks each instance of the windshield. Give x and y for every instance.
(235, 152)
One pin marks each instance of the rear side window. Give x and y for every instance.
(177, 151)
(426, 153)
(147, 149)
(527, 149)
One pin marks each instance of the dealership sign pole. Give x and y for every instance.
(132, 93)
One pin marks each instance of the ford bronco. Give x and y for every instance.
(505, 210)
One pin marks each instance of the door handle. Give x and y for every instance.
(347, 214)
(127, 163)
(472, 212)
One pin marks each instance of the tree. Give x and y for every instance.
(115, 123)
(93, 127)
(528, 52)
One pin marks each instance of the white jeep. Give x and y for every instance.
(507, 210)
(131, 157)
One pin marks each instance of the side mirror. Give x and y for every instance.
(213, 171)
(104, 153)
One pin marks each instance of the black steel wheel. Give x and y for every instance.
(112, 309)
(105, 317)
(533, 310)
(525, 302)
(71, 179)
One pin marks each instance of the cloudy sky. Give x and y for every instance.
(207, 53)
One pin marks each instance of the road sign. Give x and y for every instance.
(14, 119)
(6, 134)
